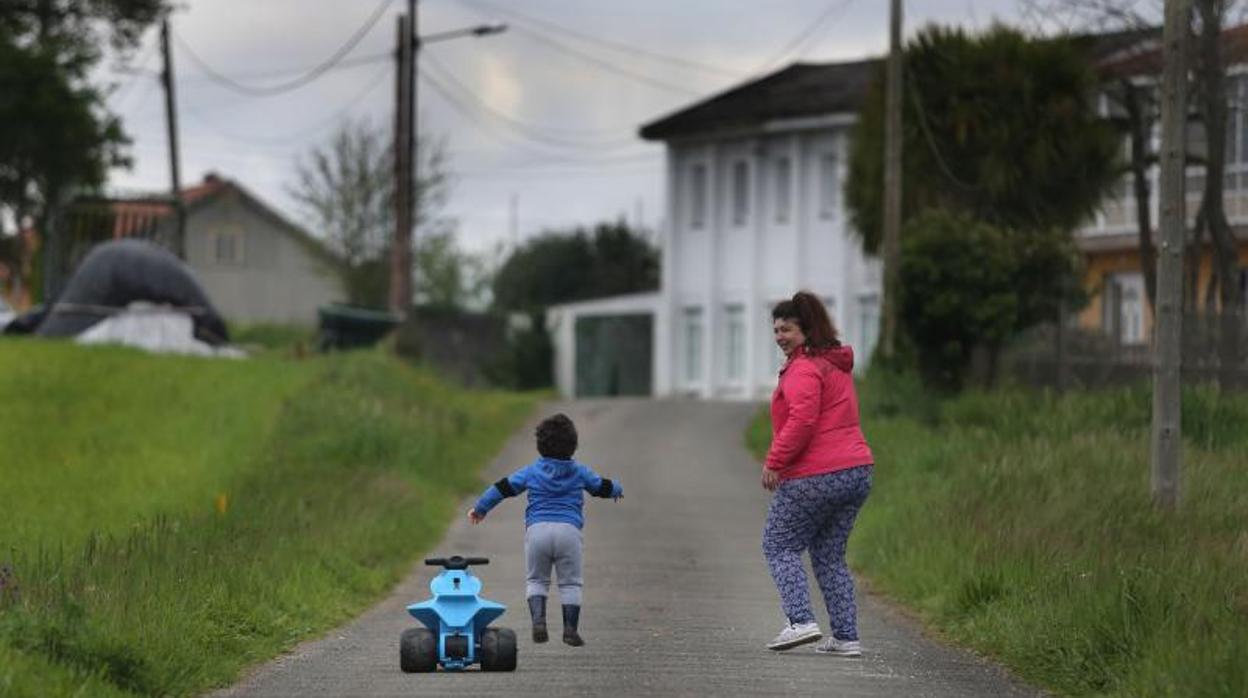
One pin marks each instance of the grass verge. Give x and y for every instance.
(176, 519)
(1019, 523)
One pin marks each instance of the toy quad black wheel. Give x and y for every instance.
(498, 649)
(418, 650)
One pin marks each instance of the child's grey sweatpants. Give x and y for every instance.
(548, 543)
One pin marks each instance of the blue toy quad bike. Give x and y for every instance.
(456, 633)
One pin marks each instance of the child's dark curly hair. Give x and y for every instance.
(556, 437)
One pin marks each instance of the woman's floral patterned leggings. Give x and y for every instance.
(816, 513)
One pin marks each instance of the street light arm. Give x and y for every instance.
(481, 30)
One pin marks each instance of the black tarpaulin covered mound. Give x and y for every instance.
(120, 272)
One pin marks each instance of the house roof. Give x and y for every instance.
(1144, 57)
(802, 89)
(137, 215)
(819, 89)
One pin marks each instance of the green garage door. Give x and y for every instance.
(613, 355)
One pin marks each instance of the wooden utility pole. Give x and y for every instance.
(1167, 437)
(892, 185)
(171, 121)
(400, 243)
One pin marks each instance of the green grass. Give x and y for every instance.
(1019, 523)
(274, 340)
(170, 520)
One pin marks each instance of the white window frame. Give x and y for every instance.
(740, 192)
(868, 322)
(692, 333)
(829, 185)
(783, 189)
(227, 246)
(1128, 287)
(734, 343)
(697, 196)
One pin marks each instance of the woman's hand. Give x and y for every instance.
(474, 517)
(771, 479)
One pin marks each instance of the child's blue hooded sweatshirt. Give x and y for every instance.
(556, 491)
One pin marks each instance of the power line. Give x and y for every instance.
(806, 33)
(297, 82)
(303, 133)
(608, 43)
(536, 132)
(605, 64)
(366, 59)
(483, 118)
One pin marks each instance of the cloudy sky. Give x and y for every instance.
(540, 121)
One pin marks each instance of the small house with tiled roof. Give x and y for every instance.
(256, 266)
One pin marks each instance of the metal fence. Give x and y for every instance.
(75, 227)
(1081, 358)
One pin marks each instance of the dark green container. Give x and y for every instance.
(351, 327)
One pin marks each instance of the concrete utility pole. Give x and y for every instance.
(400, 244)
(1167, 441)
(892, 185)
(171, 120)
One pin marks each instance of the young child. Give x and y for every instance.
(552, 520)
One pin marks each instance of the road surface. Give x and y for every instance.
(677, 597)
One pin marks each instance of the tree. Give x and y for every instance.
(958, 291)
(558, 267)
(447, 277)
(999, 128)
(345, 189)
(58, 135)
(1211, 88)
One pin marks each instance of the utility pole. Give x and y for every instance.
(400, 244)
(171, 121)
(892, 185)
(408, 190)
(1167, 441)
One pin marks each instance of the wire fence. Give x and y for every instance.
(1077, 357)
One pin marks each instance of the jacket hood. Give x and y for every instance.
(841, 357)
(556, 467)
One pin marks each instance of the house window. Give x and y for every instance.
(734, 331)
(775, 357)
(783, 200)
(868, 322)
(692, 334)
(1123, 307)
(227, 246)
(740, 192)
(829, 186)
(697, 196)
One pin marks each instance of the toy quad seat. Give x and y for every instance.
(456, 633)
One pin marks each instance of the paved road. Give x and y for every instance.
(677, 598)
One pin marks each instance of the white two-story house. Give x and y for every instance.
(754, 214)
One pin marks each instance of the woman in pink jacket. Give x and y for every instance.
(819, 468)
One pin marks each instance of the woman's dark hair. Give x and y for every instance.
(556, 437)
(808, 312)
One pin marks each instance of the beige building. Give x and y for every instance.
(255, 265)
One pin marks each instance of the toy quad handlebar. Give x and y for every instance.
(456, 562)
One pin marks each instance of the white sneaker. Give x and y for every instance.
(794, 635)
(840, 648)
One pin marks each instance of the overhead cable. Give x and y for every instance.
(570, 139)
(296, 83)
(608, 43)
